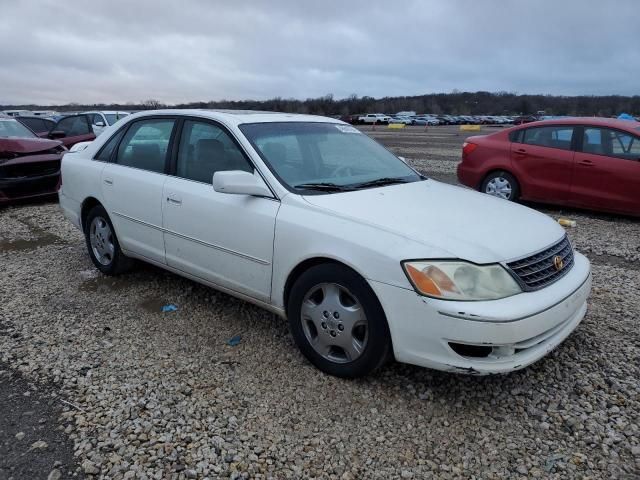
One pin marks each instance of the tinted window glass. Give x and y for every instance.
(106, 151)
(516, 136)
(205, 149)
(73, 126)
(145, 145)
(613, 143)
(553, 137)
(114, 117)
(34, 124)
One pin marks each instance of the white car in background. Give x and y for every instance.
(374, 118)
(103, 119)
(310, 218)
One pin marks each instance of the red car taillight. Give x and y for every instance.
(467, 148)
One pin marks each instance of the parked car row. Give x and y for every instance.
(410, 118)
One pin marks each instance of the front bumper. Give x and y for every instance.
(511, 333)
(12, 189)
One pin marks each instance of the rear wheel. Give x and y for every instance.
(502, 185)
(337, 321)
(103, 245)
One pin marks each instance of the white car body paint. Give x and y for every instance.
(248, 246)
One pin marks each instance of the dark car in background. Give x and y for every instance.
(579, 162)
(41, 126)
(72, 129)
(29, 165)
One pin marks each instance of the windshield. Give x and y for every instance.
(306, 155)
(114, 117)
(10, 128)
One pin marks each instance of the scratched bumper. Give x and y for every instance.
(515, 331)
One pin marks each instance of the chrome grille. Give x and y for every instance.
(539, 270)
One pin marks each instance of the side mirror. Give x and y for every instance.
(57, 134)
(99, 124)
(240, 183)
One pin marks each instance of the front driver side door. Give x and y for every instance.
(225, 239)
(607, 171)
(72, 129)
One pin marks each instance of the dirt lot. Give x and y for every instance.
(162, 395)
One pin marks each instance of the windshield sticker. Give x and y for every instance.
(347, 129)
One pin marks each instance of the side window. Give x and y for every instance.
(74, 126)
(205, 149)
(553, 137)
(612, 143)
(107, 149)
(145, 145)
(516, 136)
(34, 124)
(96, 118)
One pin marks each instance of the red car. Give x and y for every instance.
(72, 129)
(29, 166)
(580, 162)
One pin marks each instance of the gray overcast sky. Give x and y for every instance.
(175, 51)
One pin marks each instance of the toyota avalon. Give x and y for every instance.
(308, 217)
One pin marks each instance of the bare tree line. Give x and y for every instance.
(454, 103)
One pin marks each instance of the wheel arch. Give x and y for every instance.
(87, 205)
(302, 267)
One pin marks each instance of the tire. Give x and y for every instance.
(331, 305)
(501, 184)
(102, 243)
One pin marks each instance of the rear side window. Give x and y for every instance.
(74, 126)
(145, 145)
(552, 137)
(107, 150)
(516, 136)
(610, 142)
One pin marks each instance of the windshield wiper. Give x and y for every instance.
(380, 182)
(323, 187)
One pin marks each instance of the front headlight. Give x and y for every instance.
(459, 280)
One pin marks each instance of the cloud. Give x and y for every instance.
(96, 51)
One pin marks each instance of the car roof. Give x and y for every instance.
(238, 117)
(598, 121)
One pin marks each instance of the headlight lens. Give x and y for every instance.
(458, 280)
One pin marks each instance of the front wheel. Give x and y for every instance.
(502, 185)
(338, 322)
(103, 245)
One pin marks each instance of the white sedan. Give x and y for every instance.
(310, 218)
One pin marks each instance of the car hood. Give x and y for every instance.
(467, 224)
(27, 145)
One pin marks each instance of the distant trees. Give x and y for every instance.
(455, 103)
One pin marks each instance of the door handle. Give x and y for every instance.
(520, 151)
(108, 181)
(174, 200)
(586, 163)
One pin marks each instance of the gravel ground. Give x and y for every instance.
(162, 395)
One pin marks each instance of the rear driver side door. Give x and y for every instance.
(542, 159)
(132, 184)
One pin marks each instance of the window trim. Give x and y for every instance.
(606, 127)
